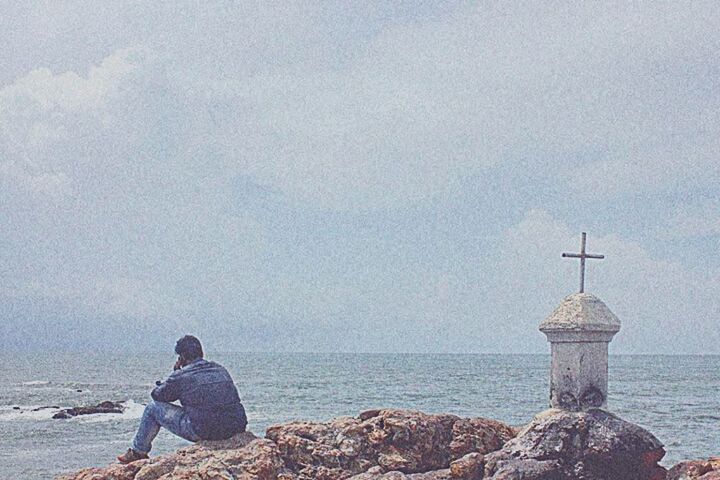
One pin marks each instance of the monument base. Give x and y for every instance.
(592, 445)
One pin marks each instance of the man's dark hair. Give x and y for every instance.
(189, 348)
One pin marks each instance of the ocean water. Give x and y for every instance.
(675, 397)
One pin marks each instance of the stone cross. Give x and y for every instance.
(582, 256)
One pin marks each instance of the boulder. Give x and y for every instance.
(402, 441)
(695, 470)
(243, 456)
(468, 467)
(111, 472)
(592, 445)
(479, 435)
(378, 475)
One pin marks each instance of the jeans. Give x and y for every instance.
(161, 414)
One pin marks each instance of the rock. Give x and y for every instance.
(479, 435)
(528, 469)
(435, 475)
(380, 444)
(16, 408)
(395, 440)
(696, 469)
(242, 457)
(592, 445)
(225, 457)
(409, 445)
(103, 407)
(469, 467)
(111, 472)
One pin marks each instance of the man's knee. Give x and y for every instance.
(154, 408)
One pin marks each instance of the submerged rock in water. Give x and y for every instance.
(593, 445)
(103, 407)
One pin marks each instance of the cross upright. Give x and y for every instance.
(582, 256)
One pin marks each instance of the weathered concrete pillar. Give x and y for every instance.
(579, 331)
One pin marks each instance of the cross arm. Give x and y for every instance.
(582, 255)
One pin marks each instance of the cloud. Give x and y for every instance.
(693, 220)
(47, 121)
(611, 100)
(42, 91)
(102, 201)
(676, 163)
(408, 113)
(134, 300)
(42, 183)
(320, 178)
(663, 306)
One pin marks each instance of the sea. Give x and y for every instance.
(676, 397)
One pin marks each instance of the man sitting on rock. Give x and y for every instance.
(211, 408)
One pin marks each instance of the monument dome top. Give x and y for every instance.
(581, 311)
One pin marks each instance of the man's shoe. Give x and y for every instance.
(132, 456)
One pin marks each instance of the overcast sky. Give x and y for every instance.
(329, 177)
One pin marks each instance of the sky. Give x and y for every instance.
(356, 176)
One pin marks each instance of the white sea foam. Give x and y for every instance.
(26, 412)
(35, 383)
(8, 413)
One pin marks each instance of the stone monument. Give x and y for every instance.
(577, 438)
(579, 331)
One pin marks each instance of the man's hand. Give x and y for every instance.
(178, 365)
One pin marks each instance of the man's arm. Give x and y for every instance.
(168, 391)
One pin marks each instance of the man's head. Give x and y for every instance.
(189, 349)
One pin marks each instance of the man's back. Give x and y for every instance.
(208, 394)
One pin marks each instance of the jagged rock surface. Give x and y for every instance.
(408, 445)
(396, 440)
(379, 444)
(696, 470)
(593, 445)
(377, 474)
(244, 456)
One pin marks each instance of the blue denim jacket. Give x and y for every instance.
(208, 394)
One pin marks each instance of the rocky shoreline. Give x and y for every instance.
(395, 444)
